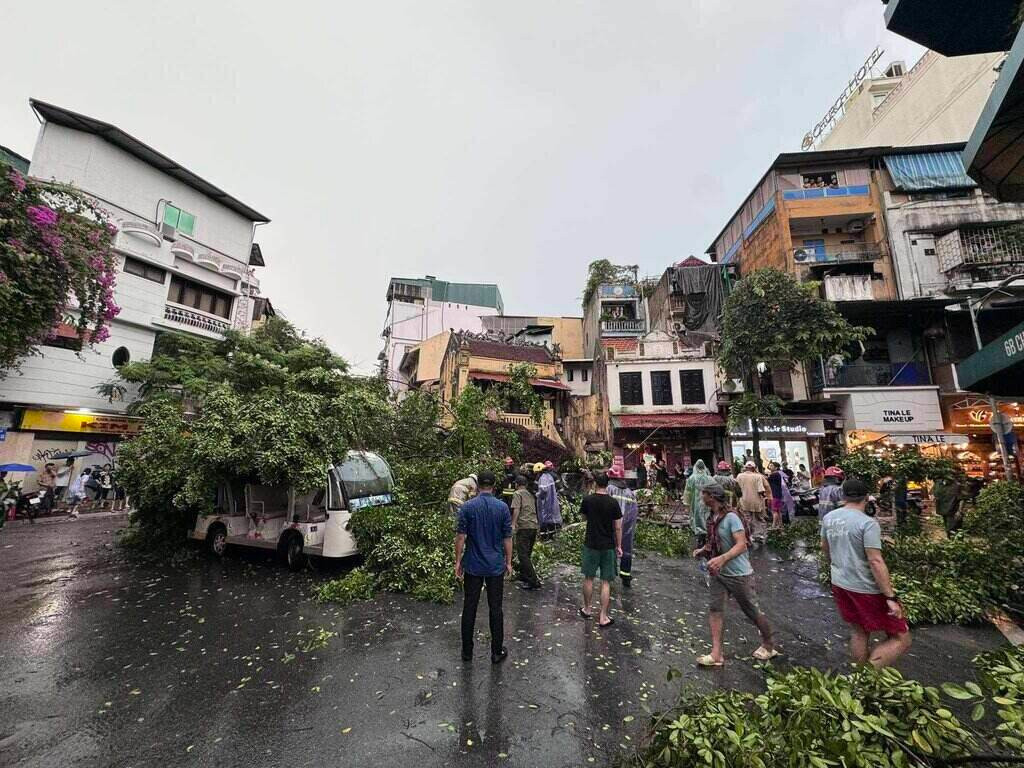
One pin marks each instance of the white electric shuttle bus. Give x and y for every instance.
(298, 525)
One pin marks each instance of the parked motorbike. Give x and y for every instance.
(807, 503)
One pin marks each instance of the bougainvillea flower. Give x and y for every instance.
(41, 216)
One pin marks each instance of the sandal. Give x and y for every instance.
(586, 615)
(606, 624)
(709, 661)
(763, 654)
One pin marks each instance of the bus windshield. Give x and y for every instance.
(364, 474)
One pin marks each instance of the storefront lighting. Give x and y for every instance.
(81, 411)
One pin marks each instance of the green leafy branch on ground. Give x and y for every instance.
(808, 718)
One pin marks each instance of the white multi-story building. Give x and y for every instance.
(419, 308)
(186, 264)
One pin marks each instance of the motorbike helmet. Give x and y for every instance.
(538, 467)
(724, 465)
(834, 471)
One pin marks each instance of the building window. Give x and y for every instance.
(121, 357)
(182, 221)
(585, 373)
(691, 385)
(143, 270)
(661, 388)
(820, 180)
(568, 373)
(631, 389)
(199, 296)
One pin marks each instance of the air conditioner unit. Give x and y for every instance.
(168, 232)
(857, 225)
(800, 255)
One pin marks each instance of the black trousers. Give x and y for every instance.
(525, 540)
(472, 586)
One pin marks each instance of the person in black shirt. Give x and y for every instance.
(601, 546)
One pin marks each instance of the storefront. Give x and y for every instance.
(870, 415)
(789, 440)
(679, 438)
(970, 417)
(40, 435)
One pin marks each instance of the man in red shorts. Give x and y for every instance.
(852, 543)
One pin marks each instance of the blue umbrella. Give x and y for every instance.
(17, 468)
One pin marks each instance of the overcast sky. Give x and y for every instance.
(475, 140)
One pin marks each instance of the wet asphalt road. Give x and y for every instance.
(109, 664)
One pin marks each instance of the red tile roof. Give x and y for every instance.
(518, 353)
(653, 420)
(620, 344)
(693, 261)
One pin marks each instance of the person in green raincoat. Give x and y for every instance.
(695, 483)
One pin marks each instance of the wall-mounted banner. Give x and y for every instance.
(93, 423)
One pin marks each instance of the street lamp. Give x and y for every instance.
(972, 307)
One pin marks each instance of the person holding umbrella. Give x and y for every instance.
(10, 491)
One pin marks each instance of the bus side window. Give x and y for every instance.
(335, 499)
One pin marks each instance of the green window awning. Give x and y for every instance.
(1003, 353)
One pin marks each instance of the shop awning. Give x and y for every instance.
(667, 420)
(539, 383)
(995, 153)
(928, 170)
(979, 371)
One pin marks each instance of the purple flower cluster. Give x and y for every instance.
(42, 216)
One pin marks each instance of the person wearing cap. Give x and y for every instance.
(723, 476)
(463, 490)
(508, 486)
(754, 491)
(619, 490)
(483, 557)
(731, 574)
(852, 544)
(524, 524)
(549, 510)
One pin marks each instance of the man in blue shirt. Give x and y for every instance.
(483, 556)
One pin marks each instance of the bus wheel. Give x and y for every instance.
(217, 538)
(293, 554)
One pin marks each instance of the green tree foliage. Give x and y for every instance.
(270, 407)
(811, 719)
(603, 271)
(908, 464)
(57, 264)
(772, 318)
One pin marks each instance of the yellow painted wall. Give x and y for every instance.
(431, 355)
(567, 332)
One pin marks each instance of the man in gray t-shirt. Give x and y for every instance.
(852, 543)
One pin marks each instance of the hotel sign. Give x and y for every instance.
(836, 111)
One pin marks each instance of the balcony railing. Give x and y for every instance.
(622, 327)
(812, 193)
(849, 253)
(895, 374)
(520, 420)
(197, 320)
(980, 246)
